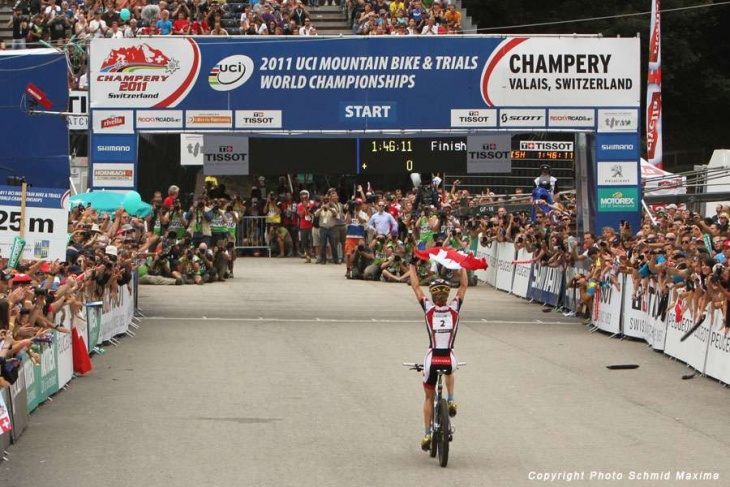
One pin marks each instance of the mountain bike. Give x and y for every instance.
(442, 433)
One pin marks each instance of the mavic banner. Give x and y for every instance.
(362, 83)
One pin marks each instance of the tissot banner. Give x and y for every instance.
(358, 84)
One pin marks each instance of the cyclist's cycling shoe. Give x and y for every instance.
(426, 443)
(452, 409)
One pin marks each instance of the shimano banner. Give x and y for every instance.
(360, 83)
(546, 284)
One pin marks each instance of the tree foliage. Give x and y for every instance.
(695, 53)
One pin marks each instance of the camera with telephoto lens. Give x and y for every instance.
(396, 258)
(716, 273)
(361, 248)
(40, 291)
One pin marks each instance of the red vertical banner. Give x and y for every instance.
(654, 89)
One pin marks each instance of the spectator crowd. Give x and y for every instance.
(374, 233)
(193, 240)
(178, 243)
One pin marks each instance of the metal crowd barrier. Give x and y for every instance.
(251, 234)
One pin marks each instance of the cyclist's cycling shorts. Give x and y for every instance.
(437, 359)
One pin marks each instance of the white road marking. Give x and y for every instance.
(362, 320)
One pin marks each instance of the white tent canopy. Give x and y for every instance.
(660, 182)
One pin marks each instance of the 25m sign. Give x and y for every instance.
(46, 221)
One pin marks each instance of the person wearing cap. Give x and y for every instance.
(305, 222)
(97, 26)
(546, 177)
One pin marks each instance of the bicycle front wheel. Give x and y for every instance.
(442, 437)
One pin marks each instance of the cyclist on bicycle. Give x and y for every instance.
(442, 322)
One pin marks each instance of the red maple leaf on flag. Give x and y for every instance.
(452, 259)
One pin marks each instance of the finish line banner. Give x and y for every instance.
(360, 83)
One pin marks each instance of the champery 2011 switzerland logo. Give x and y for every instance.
(157, 73)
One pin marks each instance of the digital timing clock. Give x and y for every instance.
(525, 155)
(404, 155)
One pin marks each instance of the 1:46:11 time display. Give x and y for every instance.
(384, 145)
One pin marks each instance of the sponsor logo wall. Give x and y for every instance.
(360, 85)
(114, 161)
(366, 83)
(489, 153)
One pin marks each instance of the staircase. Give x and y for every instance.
(6, 33)
(467, 23)
(330, 20)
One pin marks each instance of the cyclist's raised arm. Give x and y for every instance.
(415, 284)
(461, 292)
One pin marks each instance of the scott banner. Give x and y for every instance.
(356, 83)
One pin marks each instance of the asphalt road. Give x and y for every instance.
(290, 375)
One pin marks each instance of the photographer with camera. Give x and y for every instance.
(280, 241)
(199, 217)
(219, 221)
(393, 268)
(327, 214)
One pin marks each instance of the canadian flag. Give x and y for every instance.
(4, 417)
(451, 259)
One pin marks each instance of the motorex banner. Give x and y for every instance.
(359, 84)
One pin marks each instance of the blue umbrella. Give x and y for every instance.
(107, 201)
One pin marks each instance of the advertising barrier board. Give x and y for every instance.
(692, 351)
(490, 253)
(717, 364)
(641, 315)
(608, 316)
(505, 266)
(546, 284)
(521, 281)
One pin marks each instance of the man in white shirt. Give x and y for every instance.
(307, 29)
(430, 28)
(97, 27)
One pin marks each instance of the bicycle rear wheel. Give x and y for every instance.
(434, 434)
(442, 436)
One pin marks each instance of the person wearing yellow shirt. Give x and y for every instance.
(452, 16)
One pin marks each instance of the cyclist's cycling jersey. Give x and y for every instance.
(442, 323)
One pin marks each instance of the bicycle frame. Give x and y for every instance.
(441, 430)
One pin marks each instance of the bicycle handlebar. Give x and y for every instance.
(419, 367)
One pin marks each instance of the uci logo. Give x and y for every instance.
(230, 73)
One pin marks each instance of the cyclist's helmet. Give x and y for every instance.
(439, 286)
(545, 167)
